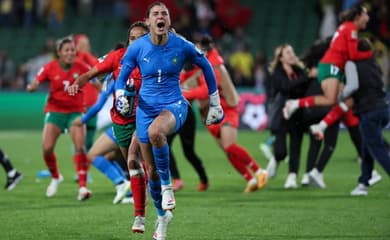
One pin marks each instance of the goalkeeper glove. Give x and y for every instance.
(121, 103)
(215, 114)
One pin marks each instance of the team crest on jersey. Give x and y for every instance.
(174, 60)
(354, 35)
(57, 77)
(75, 75)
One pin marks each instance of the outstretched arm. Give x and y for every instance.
(352, 81)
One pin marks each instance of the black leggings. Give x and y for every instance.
(295, 133)
(187, 138)
(330, 140)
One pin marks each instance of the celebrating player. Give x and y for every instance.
(226, 131)
(344, 46)
(161, 109)
(124, 126)
(61, 109)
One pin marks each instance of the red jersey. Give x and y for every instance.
(201, 91)
(111, 63)
(91, 94)
(59, 100)
(344, 46)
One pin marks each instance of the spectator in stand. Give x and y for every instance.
(242, 64)
(7, 72)
(31, 68)
(55, 14)
(6, 11)
(259, 72)
(61, 109)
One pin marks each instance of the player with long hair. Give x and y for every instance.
(124, 125)
(161, 109)
(226, 131)
(61, 109)
(343, 47)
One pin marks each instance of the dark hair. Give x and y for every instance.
(140, 24)
(62, 41)
(119, 45)
(206, 42)
(157, 3)
(352, 13)
(364, 44)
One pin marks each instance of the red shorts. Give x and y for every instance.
(231, 118)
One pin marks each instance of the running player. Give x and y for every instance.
(124, 126)
(161, 109)
(226, 131)
(61, 109)
(105, 149)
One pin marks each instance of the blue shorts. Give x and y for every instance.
(109, 132)
(144, 118)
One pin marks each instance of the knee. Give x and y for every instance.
(156, 138)
(133, 164)
(91, 157)
(48, 149)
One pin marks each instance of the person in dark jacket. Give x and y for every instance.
(371, 105)
(288, 80)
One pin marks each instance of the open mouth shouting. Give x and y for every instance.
(160, 27)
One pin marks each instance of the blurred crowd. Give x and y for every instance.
(224, 20)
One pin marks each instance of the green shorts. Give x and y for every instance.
(61, 120)
(330, 71)
(123, 134)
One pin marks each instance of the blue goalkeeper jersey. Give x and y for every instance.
(160, 66)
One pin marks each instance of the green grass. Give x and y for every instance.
(223, 212)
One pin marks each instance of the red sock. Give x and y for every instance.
(81, 164)
(350, 119)
(333, 115)
(240, 160)
(138, 188)
(51, 163)
(306, 102)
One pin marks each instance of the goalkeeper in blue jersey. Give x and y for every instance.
(162, 109)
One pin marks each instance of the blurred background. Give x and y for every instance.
(246, 33)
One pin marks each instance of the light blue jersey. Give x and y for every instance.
(160, 66)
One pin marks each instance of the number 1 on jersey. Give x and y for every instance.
(159, 75)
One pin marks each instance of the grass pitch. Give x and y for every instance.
(222, 212)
